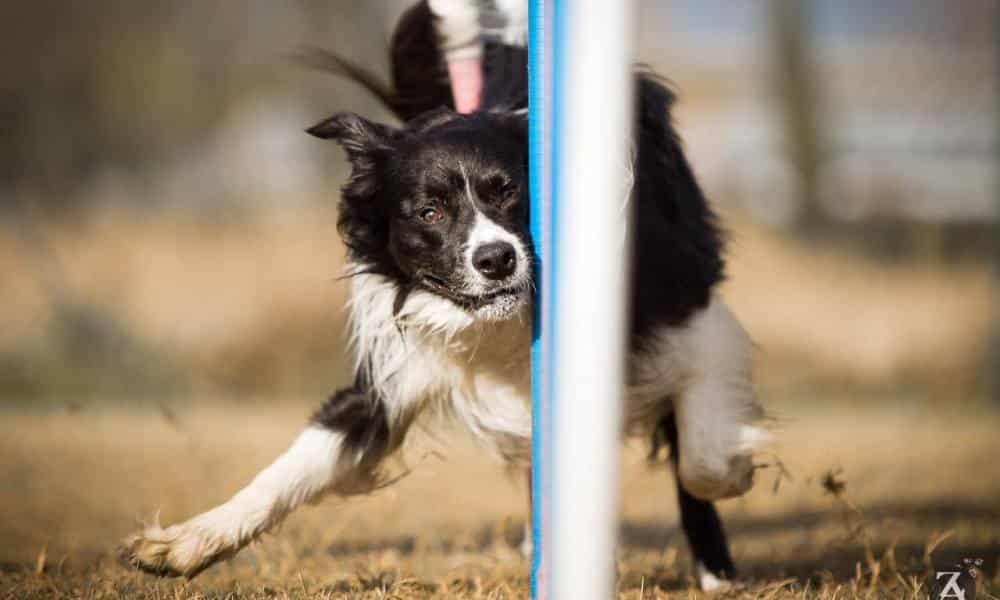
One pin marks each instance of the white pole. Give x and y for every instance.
(593, 113)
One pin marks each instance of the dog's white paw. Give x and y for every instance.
(180, 550)
(709, 582)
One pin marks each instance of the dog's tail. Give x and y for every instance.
(419, 79)
(419, 75)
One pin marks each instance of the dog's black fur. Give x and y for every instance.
(676, 231)
(380, 216)
(434, 217)
(678, 245)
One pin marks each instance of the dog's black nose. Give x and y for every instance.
(496, 260)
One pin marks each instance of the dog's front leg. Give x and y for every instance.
(338, 452)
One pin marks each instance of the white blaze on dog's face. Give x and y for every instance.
(441, 206)
(496, 258)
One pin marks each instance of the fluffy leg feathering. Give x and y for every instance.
(339, 452)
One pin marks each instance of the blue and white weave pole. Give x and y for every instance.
(540, 104)
(580, 117)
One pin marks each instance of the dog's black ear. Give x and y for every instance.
(359, 137)
(368, 145)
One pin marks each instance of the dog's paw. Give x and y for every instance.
(710, 582)
(177, 551)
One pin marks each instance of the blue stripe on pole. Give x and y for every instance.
(540, 171)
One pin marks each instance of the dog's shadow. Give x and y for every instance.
(404, 545)
(834, 561)
(483, 538)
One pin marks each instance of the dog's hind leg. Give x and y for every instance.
(701, 523)
(338, 452)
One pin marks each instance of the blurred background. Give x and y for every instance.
(167, 230)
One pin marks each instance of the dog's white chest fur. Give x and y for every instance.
(433, 354)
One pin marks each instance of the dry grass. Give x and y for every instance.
(871, 369)
(75, 483)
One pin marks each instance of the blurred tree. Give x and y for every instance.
(110, 83)
(115, 101)
(993, 357)
(798, 100)
(992, 375)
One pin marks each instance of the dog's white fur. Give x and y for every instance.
(435, 357)
(486, 231)
(312, 466)
(433, 354)
(707, 581)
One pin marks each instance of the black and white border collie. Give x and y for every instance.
(434, 217)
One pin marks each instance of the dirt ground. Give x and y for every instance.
(920, 489)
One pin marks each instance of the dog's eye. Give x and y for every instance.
(431, 215)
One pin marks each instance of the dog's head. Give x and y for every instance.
(440, 205)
